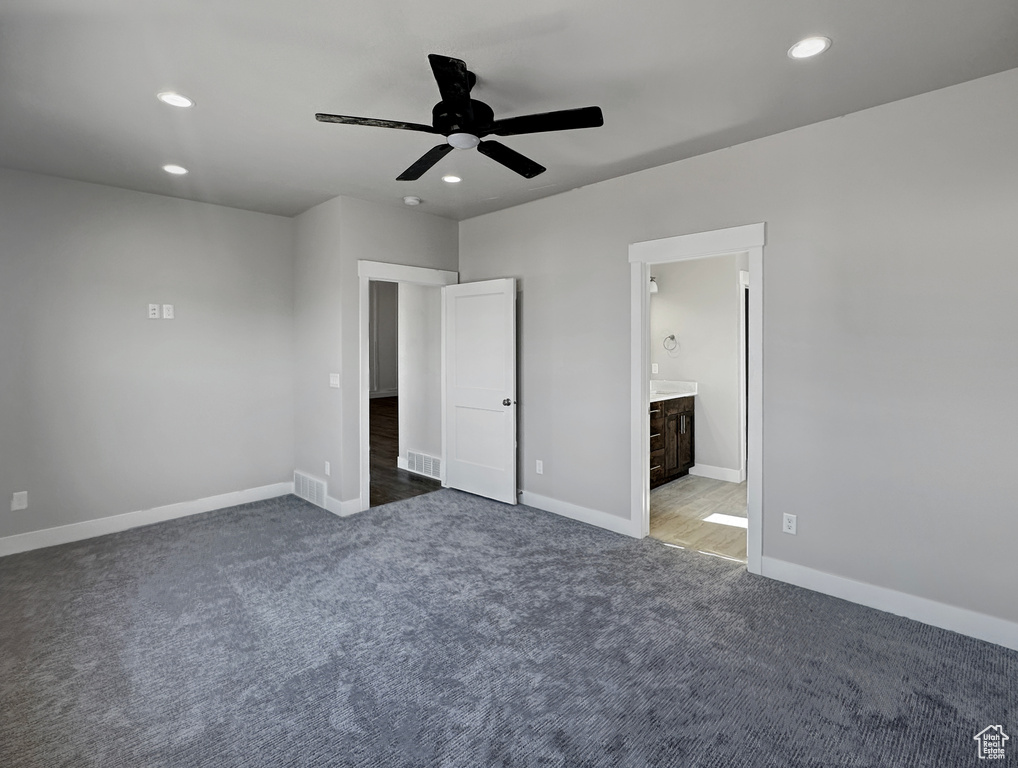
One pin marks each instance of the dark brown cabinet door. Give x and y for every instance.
(684, 454)
(671, 457)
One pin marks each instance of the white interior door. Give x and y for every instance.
(479, 387)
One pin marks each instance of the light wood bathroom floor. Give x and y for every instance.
(678, 509)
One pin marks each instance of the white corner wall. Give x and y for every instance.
(330, 239)
(104, 412)
(889, 351)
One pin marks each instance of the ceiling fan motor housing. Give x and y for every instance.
(453, 118)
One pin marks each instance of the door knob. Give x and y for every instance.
(507, 401)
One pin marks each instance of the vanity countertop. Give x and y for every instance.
(661, 389)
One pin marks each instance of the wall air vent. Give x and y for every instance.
(309, 489)
(423, 464)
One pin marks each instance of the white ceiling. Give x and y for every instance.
(675, 78)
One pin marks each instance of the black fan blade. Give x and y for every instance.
(510, 158)
(452, 78)
(429, 158)
(563, 120)
(374, 123)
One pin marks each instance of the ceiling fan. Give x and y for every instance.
(465, 122)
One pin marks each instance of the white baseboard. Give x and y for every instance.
(87, 529)
(961, 620)
(342, 508)
(593, 517)
(717, 473)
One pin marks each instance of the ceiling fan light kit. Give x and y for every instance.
(464, 122)
(463, 140)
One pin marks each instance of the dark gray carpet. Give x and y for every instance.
(447, 630)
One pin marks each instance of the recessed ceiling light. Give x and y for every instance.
(174, 99)
(450, 179)
(411, 200)
(176, 170)
(810, 46)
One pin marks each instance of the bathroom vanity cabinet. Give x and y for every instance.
(671, 439)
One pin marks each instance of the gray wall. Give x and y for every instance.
(889, 321)
(103, 411)
(383, 349)
(331, 238)
(698, 301)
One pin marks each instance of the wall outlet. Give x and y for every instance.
(167, 311)
(153, 311)
(540, 467)
(334, 380)
(328, 469)
(788, 524)
(653, 367)
(19, 501)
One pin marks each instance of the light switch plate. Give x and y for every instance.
(334, 380)
(167, 311)
(19, 501)
(653, 367)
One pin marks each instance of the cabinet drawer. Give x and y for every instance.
(657, 438)
(677, 405)
(657, 466)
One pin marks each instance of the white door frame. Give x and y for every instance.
(387, 273)
(745, 239)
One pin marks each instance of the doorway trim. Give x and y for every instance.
(384, 272)
(750, 239)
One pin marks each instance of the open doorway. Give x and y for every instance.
(730, 460)
(403, 350)
(400, 382)
(698, 404)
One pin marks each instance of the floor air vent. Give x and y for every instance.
(423, 464)
(309, 489)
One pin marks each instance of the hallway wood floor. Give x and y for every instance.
(389, 482)
(678, 509)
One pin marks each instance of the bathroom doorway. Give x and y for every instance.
(698, 404)
(725, 462)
